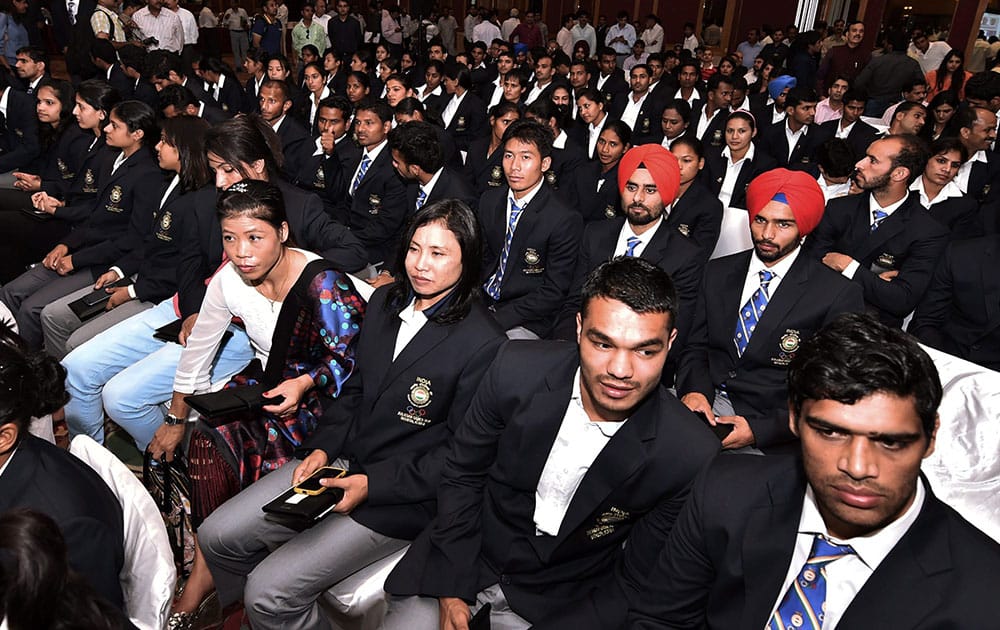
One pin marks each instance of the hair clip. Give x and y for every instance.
(240, 187)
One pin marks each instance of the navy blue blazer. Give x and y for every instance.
(809, 297)
(725, 562)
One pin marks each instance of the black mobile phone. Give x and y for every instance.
(481, 620)
(311, 485)
(720, 430)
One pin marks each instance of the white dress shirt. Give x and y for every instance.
(689, 101)
(832, 191)
(578, 443)
(632, 109)
(189, 25)
(593, 132)
(852, 267)
(451, 108)
(845, 576)
(752, 281)
(949, 190)
(964, 171)
(373, 154)
(705, 121)
(793, 137)
(166, 27)
(843, 132)
(733, 172)
(410, 323)
(535, 92)
(623, 235)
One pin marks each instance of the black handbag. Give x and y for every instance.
(217, 405)
(92, 304)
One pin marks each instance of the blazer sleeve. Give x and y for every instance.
(674, 593)
(405, 479)
(330, 239)
(901, 295)
(930, 317)
(22, 131)
(693, 374)
(456, 536)
(387, 224)
(545, 301)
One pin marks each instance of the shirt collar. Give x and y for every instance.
(9, 460)
(277, 124)
(726, 153)
(560, 141)
(429, 186)
(872, 548)
(779, 268)
(3, 101)
(526, 199)
(949, 190)
(888, 210)
(374, 152)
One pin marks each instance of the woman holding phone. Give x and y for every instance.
(426, 343)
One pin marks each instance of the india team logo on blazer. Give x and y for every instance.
(495, 176)
(460, 124)
(684, 229)
(166, 221)
(418, 398)
(787, 347)
(116, 194)
(607, 522)
(375, 204)
(609, 211)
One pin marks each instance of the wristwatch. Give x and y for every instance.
(173, 420)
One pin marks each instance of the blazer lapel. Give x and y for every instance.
(547, 409)
(727, 301)
(889, 228)
(767, 548)
(429, 336)
(787, 295)
(991, 290)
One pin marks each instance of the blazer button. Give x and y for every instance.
(504, 579)
(732, 374)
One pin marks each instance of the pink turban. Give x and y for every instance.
(797, 189)
(660, 163)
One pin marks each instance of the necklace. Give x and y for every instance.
(278, 293)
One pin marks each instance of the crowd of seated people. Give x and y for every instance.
(485, 285)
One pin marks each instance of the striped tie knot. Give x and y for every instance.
(630, 244)
(421, 198)
(803, 605)
(879, 216)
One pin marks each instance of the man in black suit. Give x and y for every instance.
(418, 158)
(568, 157)
(275, 103)
(769, 107)
(709, 123)
(177, 100)
(133, 63)
(790, 142)
(960, 313)
(105, 58)
(849, 126)
(636, 108)
(675, 122)
(895, 555)
(649, 181)
(610, 79)
(18, 128)
(689, 86)
(324, 164)
(696, 213)
(537, 497)
(977, 129)
(883, 240)
(530, 238)
(754, 310)
(37, 475)
(376, 206)
(464, 113)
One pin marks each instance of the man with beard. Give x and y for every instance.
(884, 240)
(852, 520)
(649, 180)
(734, 365)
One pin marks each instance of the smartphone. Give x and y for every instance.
(311, 485)
(720, 430)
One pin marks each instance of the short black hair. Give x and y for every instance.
(337, 102)
(718, 79)
(418, 143)
(281, 86)
(856, 356)
(178, 96)
(836, 157)
(856, 95)
(947, 144)
(380, 108)
(682, 107)
(635, 282)
(800, 94)
(691, 141)
(31, 383)
(530, 132)
(36, 53)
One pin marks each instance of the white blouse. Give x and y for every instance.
(227, 296)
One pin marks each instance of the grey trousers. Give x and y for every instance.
(722, 406)
(30, 292)
(422, 613)
(279, 572)
(63, 331)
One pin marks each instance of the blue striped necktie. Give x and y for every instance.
(493, 285)
(802, 607)
(630, 245)
(421, 198)
(365, 163)
(751, 312)
(879, 216)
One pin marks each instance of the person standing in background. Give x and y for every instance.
(190, 27)
(447, 25)
(236, 20)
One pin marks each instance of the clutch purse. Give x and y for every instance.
(92, 304)
(304, 509)
(171, 332)
(231, 400)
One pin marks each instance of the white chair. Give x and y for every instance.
(734, 235)
(964, 470)
(149, 575)
(358, 602)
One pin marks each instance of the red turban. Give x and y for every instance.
(797, 189)
(660, 163)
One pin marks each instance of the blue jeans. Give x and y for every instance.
(129, 374)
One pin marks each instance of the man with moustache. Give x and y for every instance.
(884, 240)
(755, 309)
(555, 467)
(851, 533)
(649, 180)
